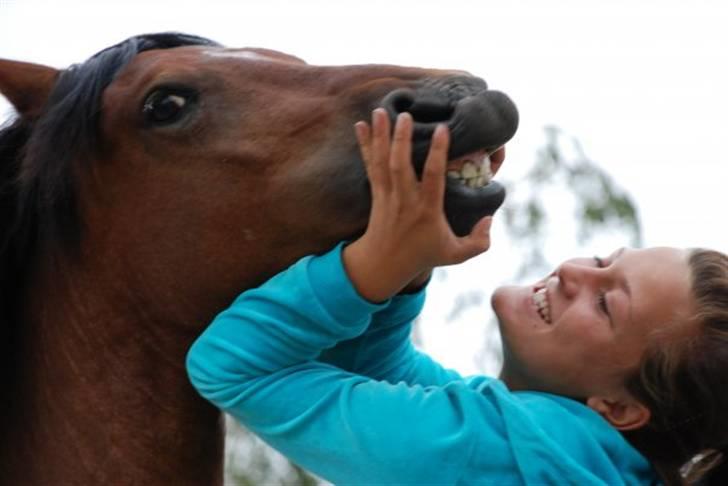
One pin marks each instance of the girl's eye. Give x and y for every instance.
(602, 302)
(602, 297)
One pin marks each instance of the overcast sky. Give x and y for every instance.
(642, 84)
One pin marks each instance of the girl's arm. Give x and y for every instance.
(256, 362)
(385, 351)
(257, 359)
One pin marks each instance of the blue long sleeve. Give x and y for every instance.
(384, 351)
(386, 414)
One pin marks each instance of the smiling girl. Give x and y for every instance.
(613, 367)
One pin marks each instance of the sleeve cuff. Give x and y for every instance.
(334, 289)
(402, 308)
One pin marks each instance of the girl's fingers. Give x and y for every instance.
(364, 137)
(477, 242)
(434, 172)
(379, 154)
(380, 136)
(374, 171)
(400, 158)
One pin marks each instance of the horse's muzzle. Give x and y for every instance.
(478, 118)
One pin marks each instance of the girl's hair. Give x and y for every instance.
(682, 380)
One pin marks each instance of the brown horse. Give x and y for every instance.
(146, 187)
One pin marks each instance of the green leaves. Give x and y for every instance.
(564, 176)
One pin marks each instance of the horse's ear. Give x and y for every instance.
(26, 85)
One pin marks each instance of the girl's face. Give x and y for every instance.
(590, 324)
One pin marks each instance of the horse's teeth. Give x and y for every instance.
(473, 173)
(469, 170)
(485, 168)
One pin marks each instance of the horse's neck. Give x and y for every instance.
(104, 396)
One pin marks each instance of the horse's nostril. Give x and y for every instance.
(423, 108)
(402, 101)
(431, 111)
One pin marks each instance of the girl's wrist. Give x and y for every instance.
(376, 277)
(417, 283)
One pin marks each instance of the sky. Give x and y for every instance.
(641, 84)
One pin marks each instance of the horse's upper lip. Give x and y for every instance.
(481, 122)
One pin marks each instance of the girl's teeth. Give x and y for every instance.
(542, 304)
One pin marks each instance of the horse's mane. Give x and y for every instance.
(37, 184)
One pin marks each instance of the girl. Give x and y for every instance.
(613, 367)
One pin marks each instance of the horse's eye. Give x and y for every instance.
(166, 106)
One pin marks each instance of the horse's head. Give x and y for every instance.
(189, 162)
(140, 191)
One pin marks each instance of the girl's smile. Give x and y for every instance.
(590, 310)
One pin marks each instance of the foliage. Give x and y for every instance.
(562, 171)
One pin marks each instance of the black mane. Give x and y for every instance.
(37, 186)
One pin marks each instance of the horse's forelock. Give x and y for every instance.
(37, 186)
(68, 130)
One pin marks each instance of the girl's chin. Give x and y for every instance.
(504, 300)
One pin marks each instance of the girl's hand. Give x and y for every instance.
(408, 233)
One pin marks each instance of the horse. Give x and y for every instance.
(146, 187)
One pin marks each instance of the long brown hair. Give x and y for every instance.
(682, 380)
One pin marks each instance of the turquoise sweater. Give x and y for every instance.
(334, 383)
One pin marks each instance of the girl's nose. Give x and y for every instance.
(575, 274)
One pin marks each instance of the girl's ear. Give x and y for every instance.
(623, 414)
(26, 85)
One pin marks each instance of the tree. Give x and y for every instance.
(599, 205)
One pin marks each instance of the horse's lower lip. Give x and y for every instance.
(485, 196)
(465, 206)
